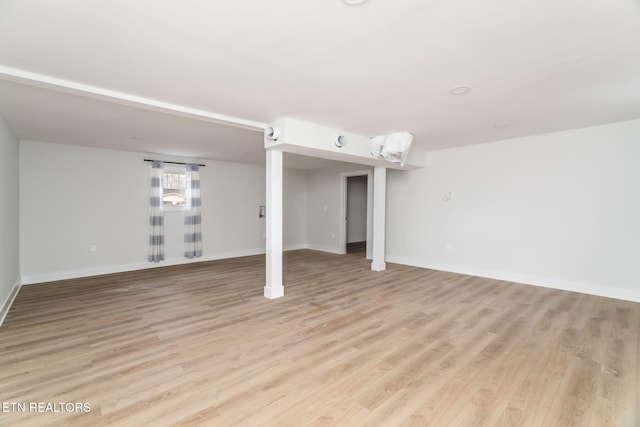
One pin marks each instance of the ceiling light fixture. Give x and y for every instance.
(460, 90)
(341, 141)
(271, 133)
(393, 147)
(354, 2)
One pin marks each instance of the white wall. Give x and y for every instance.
(324, 214)
(323, 210)
(9, 219)
(559, 210)
(74, 197)
(294, 202)
(356, 209)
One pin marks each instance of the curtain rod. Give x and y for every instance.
(173, 163)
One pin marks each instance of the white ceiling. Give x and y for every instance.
(533, 67)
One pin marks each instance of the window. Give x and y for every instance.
(174, 186)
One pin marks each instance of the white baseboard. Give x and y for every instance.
(122, 268)
(382, 266)
(318, 248)
(98, 271)
(273, 292)
(295, 247)
(329, 249)
(6, 306)
(545, 282)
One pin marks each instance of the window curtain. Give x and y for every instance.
(193, 218)
(156, 214)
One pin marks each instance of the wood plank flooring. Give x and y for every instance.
(200, 345)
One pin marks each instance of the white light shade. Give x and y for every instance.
(376, 145)
(272, 133)
(393, 147)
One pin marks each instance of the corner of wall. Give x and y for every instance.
(9, 218)
(6, 306)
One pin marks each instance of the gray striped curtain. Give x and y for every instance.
(156, 214)
(193, 218)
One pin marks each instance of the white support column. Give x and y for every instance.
(273, 288)
(379, 201)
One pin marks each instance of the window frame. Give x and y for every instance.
(182, 170)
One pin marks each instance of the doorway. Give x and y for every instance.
(357, 208)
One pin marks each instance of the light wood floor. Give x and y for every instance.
(199, 345)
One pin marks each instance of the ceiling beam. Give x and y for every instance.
(67, 86)
(309, 139)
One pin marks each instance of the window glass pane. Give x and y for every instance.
(174, 185)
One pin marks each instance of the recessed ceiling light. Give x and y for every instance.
(460, 90)
(354, 2)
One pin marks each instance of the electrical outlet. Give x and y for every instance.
(93, 248)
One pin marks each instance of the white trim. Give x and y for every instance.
(123, 268)
(93, 92)
(273, 292)
(295, 247)
(378, 266)
(321, 248)
(4, 309)
(379, 218)
(369, 248)
(273, 225)
(541, 281)
(110, 269)
(318, 248)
